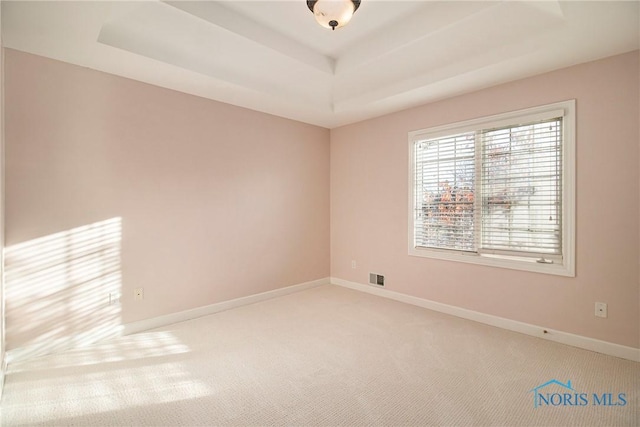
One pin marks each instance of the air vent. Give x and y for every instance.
(376, 279)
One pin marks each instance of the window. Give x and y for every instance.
(497, 190)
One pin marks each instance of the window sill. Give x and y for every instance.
(512, 263)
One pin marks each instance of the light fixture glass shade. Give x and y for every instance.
(333, 13)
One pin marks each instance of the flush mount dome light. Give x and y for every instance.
(333, 13)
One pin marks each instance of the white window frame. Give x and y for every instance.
(565, 267)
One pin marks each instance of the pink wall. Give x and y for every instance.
(216, 202)
(369, 186)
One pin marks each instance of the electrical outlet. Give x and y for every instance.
(601, 309)
(353, 264)
(138, 294)
(114, 298)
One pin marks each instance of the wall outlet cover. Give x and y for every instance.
(601, 310)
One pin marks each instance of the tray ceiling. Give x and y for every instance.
(272, 56)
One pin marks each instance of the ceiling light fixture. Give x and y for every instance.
(333, 13)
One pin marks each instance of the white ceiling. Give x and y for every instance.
(272, 56)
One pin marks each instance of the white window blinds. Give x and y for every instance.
(445, 181)
(495, 191)
(522, 189)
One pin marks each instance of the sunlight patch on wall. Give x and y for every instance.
(62, 290)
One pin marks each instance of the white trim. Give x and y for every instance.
(569, 188)
(599, 346)
(567, 109)
(181, 316)
(527, 115)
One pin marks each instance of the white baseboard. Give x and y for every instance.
(574, 340)
(181, 316)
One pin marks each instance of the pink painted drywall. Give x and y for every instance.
(369, 187)
(216, 202)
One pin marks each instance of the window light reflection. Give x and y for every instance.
(147, 363)
(58, 290)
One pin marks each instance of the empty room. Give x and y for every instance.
(320, 213)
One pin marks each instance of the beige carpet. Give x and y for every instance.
(325, 356)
